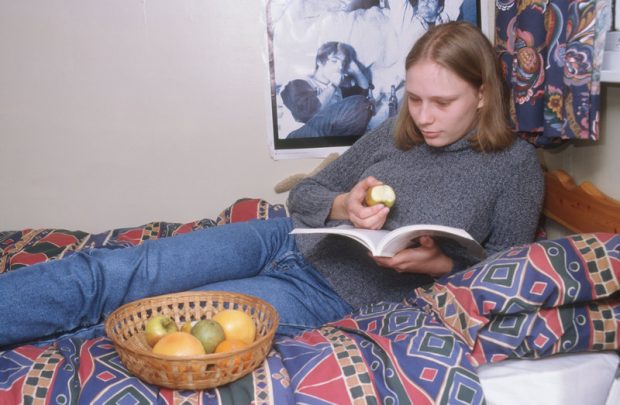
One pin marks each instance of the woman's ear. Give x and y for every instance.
(481, 96)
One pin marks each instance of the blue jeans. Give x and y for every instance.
(74, 295)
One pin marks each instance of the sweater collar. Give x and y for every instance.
(461, 144)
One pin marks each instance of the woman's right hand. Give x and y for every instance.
(350, 206)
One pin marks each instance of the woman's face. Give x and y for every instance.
(442, 105)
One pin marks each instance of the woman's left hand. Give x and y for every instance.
(426, 259)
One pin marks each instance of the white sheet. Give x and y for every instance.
(575, 379)
(614, 392)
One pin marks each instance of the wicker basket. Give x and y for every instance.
(126, 326)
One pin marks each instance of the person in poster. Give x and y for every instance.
(376, 35)
(334, 100)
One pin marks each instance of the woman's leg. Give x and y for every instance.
(300, 294)
(78, 291)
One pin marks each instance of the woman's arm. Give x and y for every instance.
(517, 211)
(324, 196)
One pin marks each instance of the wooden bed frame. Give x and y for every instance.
(579, 208)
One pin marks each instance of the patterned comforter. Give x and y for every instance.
(531, 301)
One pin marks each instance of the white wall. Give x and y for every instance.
(120, 112)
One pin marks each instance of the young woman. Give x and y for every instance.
(449, 155)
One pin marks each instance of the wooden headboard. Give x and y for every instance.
(579, 208)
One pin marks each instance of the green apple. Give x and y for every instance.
(381, 194)
(157, 327)
(209, 332)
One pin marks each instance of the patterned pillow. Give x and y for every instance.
(563, 286)
(246, 209)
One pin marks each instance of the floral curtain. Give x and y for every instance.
(551, 52)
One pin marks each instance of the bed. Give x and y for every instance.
(537, 323)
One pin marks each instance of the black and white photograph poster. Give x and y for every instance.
(336, 67)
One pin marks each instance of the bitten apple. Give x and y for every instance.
(381, 194)
(157, 327)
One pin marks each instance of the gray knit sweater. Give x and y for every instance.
(496, 197)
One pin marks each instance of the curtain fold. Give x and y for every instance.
(551, 53)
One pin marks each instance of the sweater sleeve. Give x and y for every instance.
(517, 212)
(310, 201)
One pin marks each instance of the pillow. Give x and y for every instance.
(572, 270)
(592, 326)
(246, 209)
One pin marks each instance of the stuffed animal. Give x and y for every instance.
(290, 182)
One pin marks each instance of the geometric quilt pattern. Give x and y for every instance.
(531, 301)
(548, 297)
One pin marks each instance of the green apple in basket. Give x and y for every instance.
(157, 327)
(209, 332)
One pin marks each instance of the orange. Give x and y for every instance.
(231, 345)
(179, 344)
(237, 325)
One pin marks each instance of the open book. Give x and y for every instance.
(388, 243)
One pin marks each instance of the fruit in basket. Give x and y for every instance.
(230, 345)
(186, 327)
(157, 327)
(210, 334)
(179, 344)
(237, 325)
(381, 194)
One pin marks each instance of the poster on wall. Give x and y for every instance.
(336, 67)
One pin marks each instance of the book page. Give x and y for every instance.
(367, 237)
(388, 243)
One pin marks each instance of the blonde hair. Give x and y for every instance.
(464, 50)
